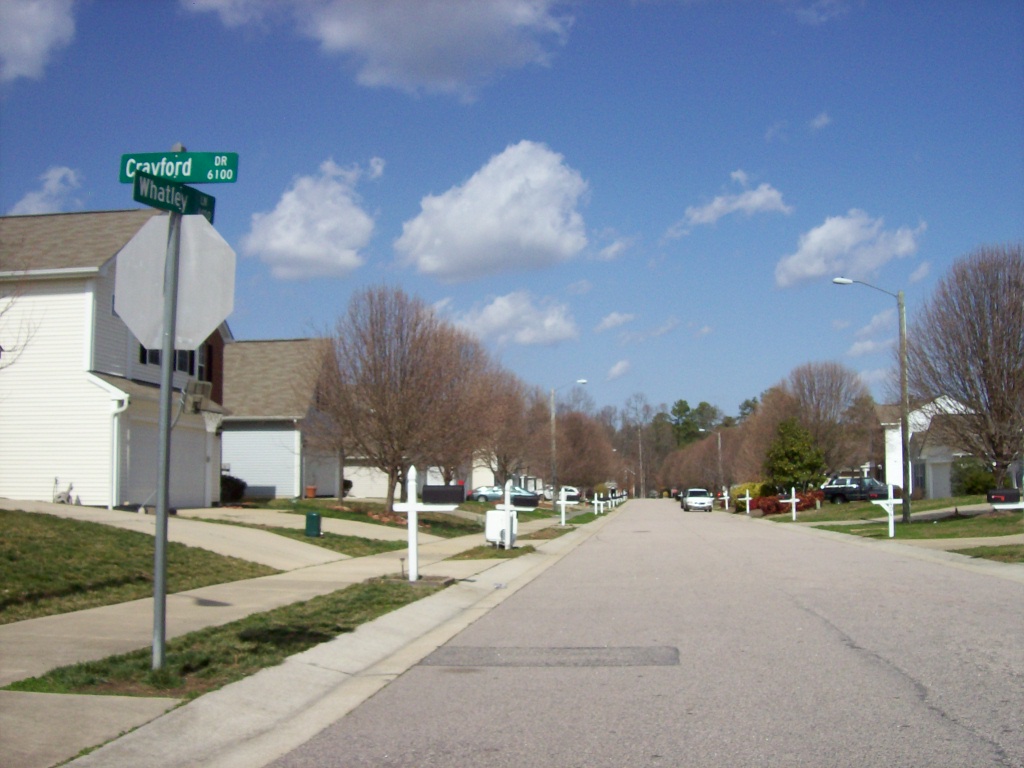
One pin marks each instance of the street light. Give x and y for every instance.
(904, 390)
(554, 463)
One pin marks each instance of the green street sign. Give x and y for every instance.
(183, 167)
(169, 196)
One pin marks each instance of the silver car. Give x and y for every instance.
(697, 500)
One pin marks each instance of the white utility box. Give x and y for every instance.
(497, 526)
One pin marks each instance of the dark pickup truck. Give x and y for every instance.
(840, 490)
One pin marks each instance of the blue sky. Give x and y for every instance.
(653, 196)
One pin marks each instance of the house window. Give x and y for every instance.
(149, 356)
(184, 360)
(204, 363)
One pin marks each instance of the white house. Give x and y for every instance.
(270, 392)
(78, 393)
(931, 459)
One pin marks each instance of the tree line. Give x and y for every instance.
(399, 386)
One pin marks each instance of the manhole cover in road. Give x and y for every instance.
(469, 656)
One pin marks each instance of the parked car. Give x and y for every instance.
(519, 496)
(572, 494)
(840, 490)
(697, 499)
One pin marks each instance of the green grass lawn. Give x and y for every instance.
(1009, 553)
(353, 546)
(865, 510)
(51, 565)
(953, 527)
(581, 518)
(210, 658)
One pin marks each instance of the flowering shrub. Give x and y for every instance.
(774, 505)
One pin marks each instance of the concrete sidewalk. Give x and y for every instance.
(40, 730)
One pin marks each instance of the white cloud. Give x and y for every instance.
(875, 377)
(614, 320)
(820, 121)
(764, 199)
(317, 228)
(618, 370)
(59, 182)
(639, 337)
(883, 322)
(515, 318)
(615, 249)
(580, 287)
(854, 245)
(413, 45)
(704, 330)
(840, 325)
(921, 272)
(818, 12)
(31, 30)
(867, 347)
(517, 212)
(777, 131)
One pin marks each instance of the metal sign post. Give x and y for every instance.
(155, 181)
(164, 445)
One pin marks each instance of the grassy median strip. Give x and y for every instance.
(51, 565)
(952, 527)
(487, 552)
(203, 661)
(545, 534)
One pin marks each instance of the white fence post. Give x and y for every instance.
(414, 555)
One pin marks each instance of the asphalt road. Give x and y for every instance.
(690, 639)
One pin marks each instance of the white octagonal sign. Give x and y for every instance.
(206, 282)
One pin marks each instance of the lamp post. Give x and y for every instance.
(554, 462)
(904, 389)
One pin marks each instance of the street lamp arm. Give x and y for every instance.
(848, 281)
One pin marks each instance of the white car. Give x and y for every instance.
(697, 499)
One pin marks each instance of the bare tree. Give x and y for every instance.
(462, 401)
(510, 445)
(836, 409)
(636, 415)
(968, 345)
(585, 456)
(387, 349)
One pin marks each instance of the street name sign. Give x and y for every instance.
(171, 196)
(183, 167)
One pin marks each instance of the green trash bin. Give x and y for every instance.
(313, 525)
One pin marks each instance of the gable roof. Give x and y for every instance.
(271, 380)
(66, 241)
